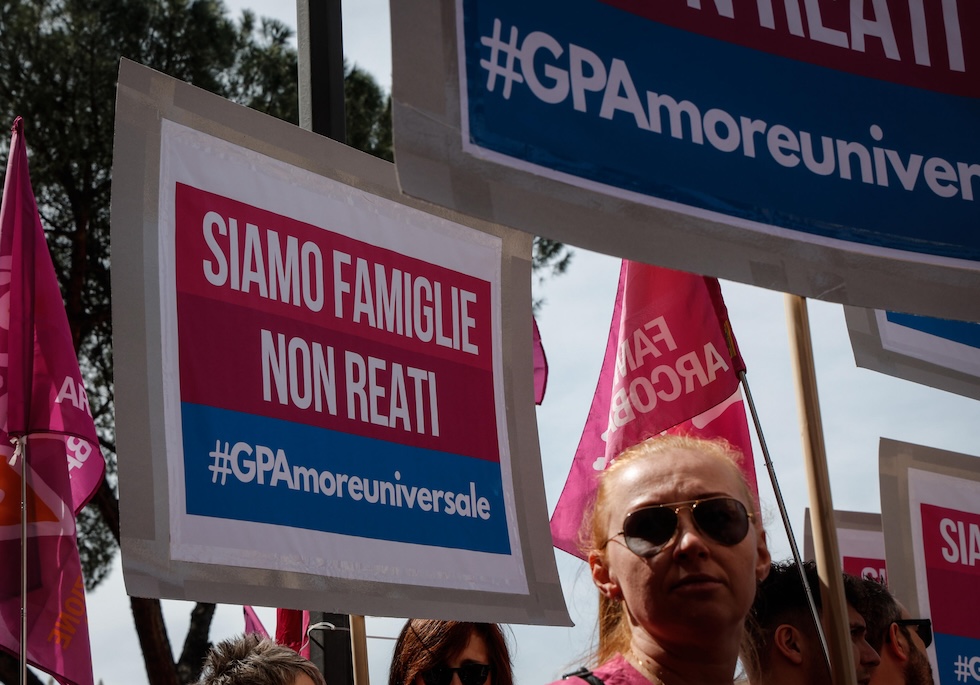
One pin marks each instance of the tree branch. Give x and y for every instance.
(196, 644)
(152, 632)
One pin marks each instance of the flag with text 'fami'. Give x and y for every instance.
(43, 401)
(671, 362)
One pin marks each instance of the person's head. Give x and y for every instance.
(426, 650)
(676, 545)
(253, 660)
(899, 640)
(783, 645)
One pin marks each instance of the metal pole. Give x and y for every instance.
(330, 647)
(320, 39)
(821, 502)
(21, 449)
(781, 503)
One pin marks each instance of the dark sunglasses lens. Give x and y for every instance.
(925, 632)
(724, 519)
(647, 530)
(473, 674)
(440, 675)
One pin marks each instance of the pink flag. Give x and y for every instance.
(43, 385)
(253, 624)
(41, 396)
(291, 627)
(668, 360)
(540, 366)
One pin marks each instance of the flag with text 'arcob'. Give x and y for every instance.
(43, 404)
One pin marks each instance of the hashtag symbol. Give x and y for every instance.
(493, 66)
(222, 462)
(963, 672)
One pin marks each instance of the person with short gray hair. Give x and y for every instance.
(253, 660)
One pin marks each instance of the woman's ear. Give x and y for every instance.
(602, 577)
(788, 641)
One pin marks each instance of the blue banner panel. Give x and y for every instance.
(356, 485)
(957, 659)
(962, 332)
(677, 117)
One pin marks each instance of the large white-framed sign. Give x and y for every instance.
(320, 388)
(826, 149)
(930, 504)
(939, 353)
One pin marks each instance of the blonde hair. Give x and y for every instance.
(614, 629)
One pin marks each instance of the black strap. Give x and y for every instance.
(586, 675)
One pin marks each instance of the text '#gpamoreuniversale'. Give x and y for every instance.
(255, 468)
(576, 77)
(311, 326)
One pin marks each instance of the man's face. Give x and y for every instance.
(918, 670)
(865, 657)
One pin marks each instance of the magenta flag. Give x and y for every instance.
(540, 365)
(44, 388)
(253, 624)
(42, 399)
(670, 357)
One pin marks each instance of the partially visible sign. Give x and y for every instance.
(310, 377)
(860, 541)
(829, 152)
(939, 353)
(930, 500)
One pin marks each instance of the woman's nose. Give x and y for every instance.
(688, 540)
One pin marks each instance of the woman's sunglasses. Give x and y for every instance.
(923, 626)
(469, 674)
(646, 531)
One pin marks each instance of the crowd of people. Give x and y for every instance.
(688, 595)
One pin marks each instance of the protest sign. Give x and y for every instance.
(860, 541)
(317, 384)
(818, 148)
(939, 353)
(930, 506)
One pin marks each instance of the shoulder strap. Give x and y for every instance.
(586, 675)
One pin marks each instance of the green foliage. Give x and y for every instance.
(368, 113)
(264, 74)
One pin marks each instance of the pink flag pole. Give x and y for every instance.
(21, 450)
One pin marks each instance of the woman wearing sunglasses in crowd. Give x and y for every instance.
(430, 652)
(676, 549)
